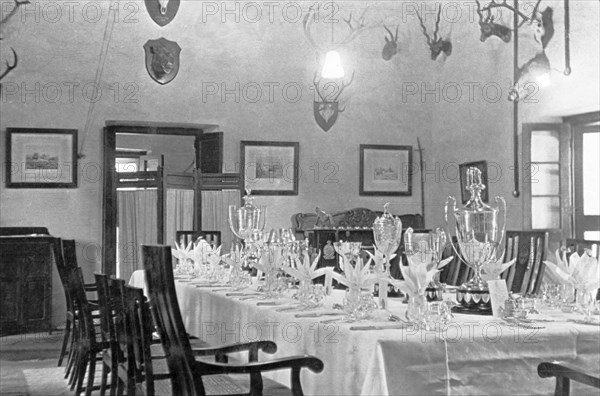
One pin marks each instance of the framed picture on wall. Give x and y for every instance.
(270, 168)
(41, 158)
(464, 193)
(385, 170)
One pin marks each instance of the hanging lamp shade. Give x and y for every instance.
(332, 68)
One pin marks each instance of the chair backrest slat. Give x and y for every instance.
(185, 237)
(163, 298)
(529, 250)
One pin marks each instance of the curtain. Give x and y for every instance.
(137, 225)
(215, 209)
(180, 213)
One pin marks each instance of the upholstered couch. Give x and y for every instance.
(357, 217)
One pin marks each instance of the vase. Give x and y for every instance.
(417, 309)
(359, 304)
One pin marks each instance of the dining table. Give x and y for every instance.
(386, 355)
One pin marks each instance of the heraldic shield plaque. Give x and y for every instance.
(162, 59)
(162, 11)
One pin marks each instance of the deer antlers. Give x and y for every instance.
(391, 44)
(438, 44)
(490, 28)
(324, 99)
(10, 67)
(356, 28)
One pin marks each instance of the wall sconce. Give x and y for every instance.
(536, 70)
(332, 69)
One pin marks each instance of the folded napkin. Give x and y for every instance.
(493, 269)
(235, 258)
(305, 270)
(271, 259)
(181, 252)
(355, 276)
(583, 272)
(419, 273)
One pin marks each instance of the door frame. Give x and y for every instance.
(109, 202)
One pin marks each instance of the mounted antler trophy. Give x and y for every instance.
(326, 110)
(326, 105)
(490, 28)
(162, 11)
(11, 66)
(391, 44)
(438, 44)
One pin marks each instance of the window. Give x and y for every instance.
(546, 196)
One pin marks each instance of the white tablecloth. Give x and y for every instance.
(472, 355)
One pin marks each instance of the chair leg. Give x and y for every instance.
(104, 377)
(114, 374)
(63, 349)
(80, 373)
(91, 372)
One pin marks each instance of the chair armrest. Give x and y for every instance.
(220, 352)
(292, 362)
(564, 373)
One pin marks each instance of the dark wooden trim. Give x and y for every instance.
(581, 119)
(160, 207)
(110, 183)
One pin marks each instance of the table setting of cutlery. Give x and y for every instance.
(317, 314)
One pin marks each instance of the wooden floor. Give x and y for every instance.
(28, 368)
(28, 365)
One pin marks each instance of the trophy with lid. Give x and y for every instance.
(479, 235)
(247, 223)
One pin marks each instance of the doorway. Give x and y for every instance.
(158, 167)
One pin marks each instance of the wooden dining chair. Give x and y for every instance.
(88, 346)
(109, 309)
(187, 373)
(529, 249)
(565, 373)
(185, 237)
(66, 262)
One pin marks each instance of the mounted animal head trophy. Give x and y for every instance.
(537, 69)
(490, 28)
(10, 66)
(326, 110)
(391, 44)
(162, 11)
(326, 106)
(162, 59)
(438, 44)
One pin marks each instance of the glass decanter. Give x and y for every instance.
(247, 223)
(387, 232)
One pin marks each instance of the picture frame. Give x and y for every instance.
(483, 167)
(385, 170)
(41, 158)
(270, 168)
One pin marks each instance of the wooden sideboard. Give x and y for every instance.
(26, 283)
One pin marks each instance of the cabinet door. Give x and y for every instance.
(9, 295)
